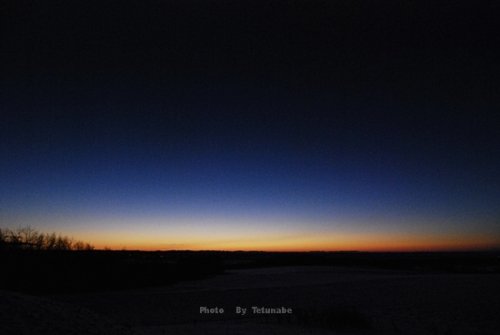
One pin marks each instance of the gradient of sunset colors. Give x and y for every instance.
(131, 193)
(252, 125)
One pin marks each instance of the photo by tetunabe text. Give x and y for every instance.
(240, 310)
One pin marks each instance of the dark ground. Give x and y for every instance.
(57, 272)
(108, 292)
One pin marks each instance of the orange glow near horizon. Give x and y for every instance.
(324, 242)
(273, 234)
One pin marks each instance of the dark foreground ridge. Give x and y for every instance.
(73, 271)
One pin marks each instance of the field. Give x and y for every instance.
(328, 293)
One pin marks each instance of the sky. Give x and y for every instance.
(252, 125)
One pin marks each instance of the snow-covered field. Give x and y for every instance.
(324, 300)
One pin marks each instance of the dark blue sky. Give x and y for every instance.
(218, 124)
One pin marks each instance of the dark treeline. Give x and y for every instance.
(27, 238)
(50, 263)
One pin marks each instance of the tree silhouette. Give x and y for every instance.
(27, 238)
